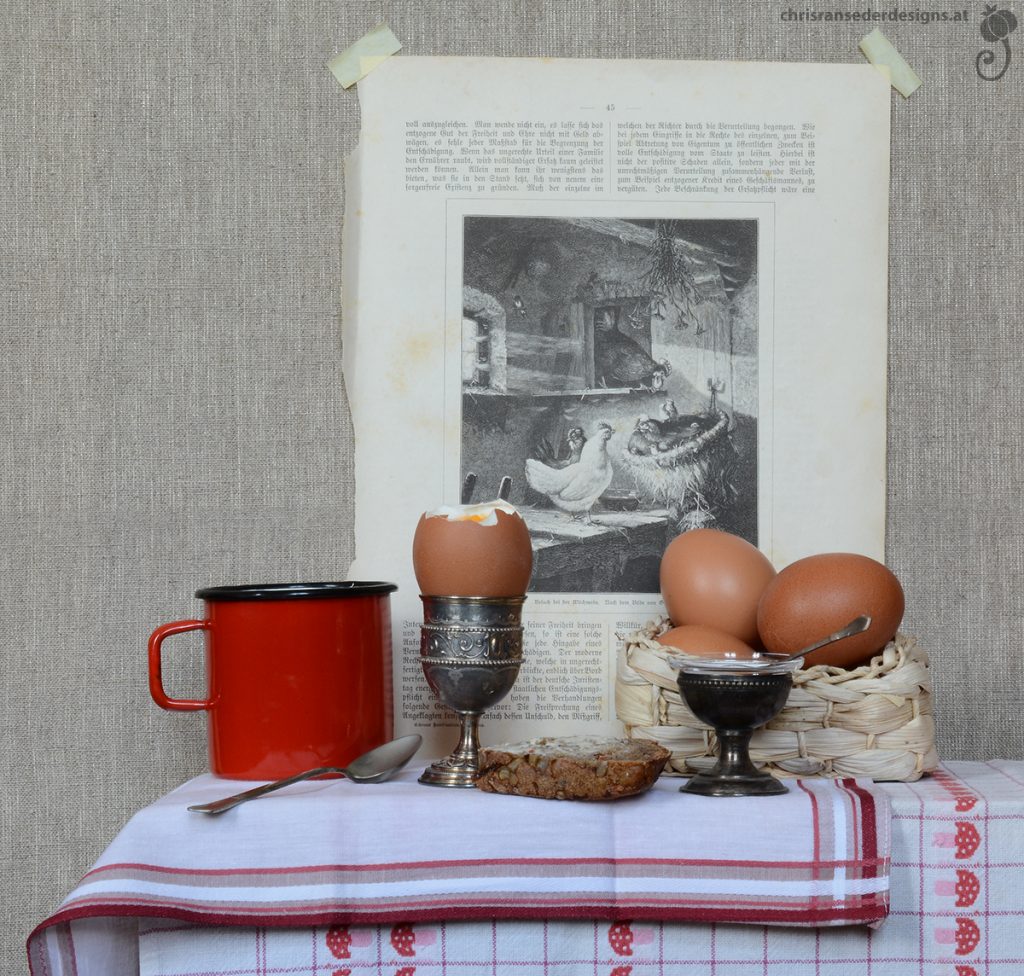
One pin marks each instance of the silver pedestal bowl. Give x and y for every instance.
(735, 697)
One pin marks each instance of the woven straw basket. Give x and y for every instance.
(874, 721)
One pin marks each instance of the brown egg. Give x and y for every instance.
(714, 579)
(705, 642)
(472, 550)
(816, 596)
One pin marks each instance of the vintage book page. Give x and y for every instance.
(679, 264)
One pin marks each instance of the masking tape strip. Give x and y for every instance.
(879, 51)
(359, 59)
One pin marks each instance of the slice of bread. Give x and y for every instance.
(580, 767)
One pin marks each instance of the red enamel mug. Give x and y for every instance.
(298, 675)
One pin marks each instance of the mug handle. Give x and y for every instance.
(156, 687)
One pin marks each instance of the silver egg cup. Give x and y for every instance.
(470, 649)
(735, 697)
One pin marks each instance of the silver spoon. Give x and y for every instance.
(374, 766)
(856, 626)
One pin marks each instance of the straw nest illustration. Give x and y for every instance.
(692, 477)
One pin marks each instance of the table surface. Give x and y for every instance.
(957, 851)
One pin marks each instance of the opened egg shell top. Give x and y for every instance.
(472, 550)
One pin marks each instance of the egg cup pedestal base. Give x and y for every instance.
(734, 774)
(459, 770)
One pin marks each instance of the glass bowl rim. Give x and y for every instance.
(764, 662)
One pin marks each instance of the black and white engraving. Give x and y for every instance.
(609, 369)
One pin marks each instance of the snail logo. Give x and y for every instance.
(996, 27)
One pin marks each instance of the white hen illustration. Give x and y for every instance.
(576, 488)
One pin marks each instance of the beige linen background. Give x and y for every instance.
(174, 411)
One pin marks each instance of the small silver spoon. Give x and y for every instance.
(856, 626)
(374, 766)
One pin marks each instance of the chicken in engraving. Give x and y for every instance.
(576, 488)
